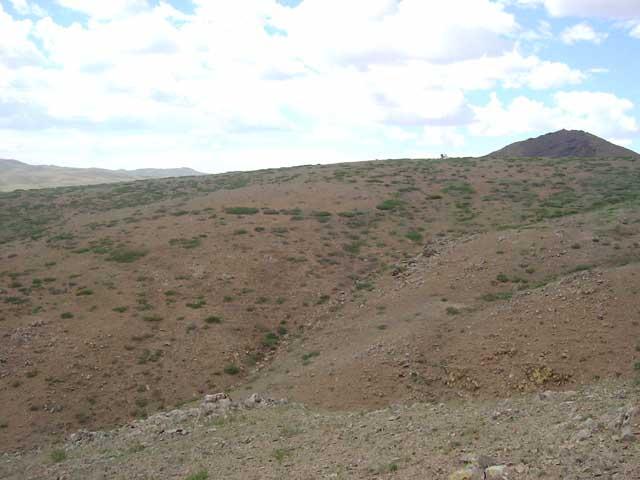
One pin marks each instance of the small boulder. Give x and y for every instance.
(467, 474)
(627, 435)
(497, 472)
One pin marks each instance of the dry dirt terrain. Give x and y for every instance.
(458, 285)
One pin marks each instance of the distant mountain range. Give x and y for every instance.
(17, 175)
(564, 143)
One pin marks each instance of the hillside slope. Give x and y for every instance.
(564, 143)
(16, 175)
(342, 286)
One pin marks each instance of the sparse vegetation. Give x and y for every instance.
(58, 456)
(241, 210)
(200, 475)
(231, 369)
(124, 255)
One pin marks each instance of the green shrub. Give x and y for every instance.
(492, 297)
(58, 456)
(66, 315)
(307, 357)
(231, 369)
(197, 304)
(414, 236)
(201, 475)
(213, 319)
(125, 255)
(270, 340)
(391, 204)
(241, 210)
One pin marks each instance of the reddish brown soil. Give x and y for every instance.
(353, 290)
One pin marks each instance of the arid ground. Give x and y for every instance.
(347, 288)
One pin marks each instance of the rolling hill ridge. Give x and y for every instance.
(16, 175)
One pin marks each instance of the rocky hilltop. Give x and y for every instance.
(564, 143)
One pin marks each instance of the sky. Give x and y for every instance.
(224, 85)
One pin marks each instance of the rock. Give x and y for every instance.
(485, 461)
(627, 435)
(467, 474)
(582, 435)
(253, 400)
(216, 397)
(497, 472)
(81, 436)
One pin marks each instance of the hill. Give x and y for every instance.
(16, 175)
(564, 143)
(472, 283)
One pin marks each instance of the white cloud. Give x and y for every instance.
(593, 8)
(16, 48)
(384, 73)
(446, 137)
(582, 32)
(105, 9)
(601, 113)
(27, 7)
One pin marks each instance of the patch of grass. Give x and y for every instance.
(453, 311)
(197, 304)
(321, 214)
(66, 315)
(580, 268)
(280, 454)
(120, 309)
(492, 297)
(241, 210)
(186, 242)
(364, 285)
(213, 319)
(307, 357)
(231, 369)
(323, 299)
(414, 236)
(463, 188)
(152, 318)
(58, 456)
(83, 292)
(148, 356)
(390, 204)
(501, 277)
(123, 255)
(270, 340)
(353, 247)
(201, 475)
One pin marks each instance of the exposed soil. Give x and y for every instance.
(344, 287)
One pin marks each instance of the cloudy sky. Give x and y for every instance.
(223, 85)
